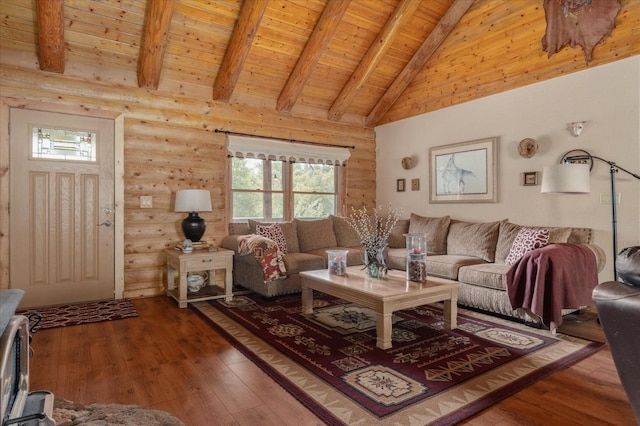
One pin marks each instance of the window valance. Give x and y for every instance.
(268, 149)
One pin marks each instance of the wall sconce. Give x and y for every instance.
(576, 127)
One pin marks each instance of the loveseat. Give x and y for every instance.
(472, 253)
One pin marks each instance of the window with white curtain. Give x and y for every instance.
(277, 180)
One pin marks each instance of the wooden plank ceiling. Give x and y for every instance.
(342, 60)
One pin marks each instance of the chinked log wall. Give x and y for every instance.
(170, 144)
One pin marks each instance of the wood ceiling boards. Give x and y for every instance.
(364, 62)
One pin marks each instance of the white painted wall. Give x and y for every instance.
(607, 96)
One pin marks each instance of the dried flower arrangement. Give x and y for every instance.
(373, 230)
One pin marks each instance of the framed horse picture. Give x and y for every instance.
(464, 172)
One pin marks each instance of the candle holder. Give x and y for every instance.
(337, 262)
(416, 257)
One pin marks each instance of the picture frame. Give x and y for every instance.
(464, 172)
(415, 184)
(530, 178)
(400, 185)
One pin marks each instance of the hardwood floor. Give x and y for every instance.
(169, 359)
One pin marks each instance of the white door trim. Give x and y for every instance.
(5, 235)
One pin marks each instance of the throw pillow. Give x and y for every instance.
(273, 232)
(254, 223)
(397, 238)
(509, 231)
(289, 230)
(527, 239)
(316, 234)
(436, 229)
(473, 239)
(346, 236)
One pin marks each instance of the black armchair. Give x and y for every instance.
(618, 307)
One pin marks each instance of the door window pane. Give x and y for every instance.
(63, 144)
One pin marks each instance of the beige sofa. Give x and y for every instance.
(470, 252)
(474, 254)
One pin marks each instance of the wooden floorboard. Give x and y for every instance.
(170, 359)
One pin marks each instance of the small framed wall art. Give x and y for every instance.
(530, 178)
(400, 185)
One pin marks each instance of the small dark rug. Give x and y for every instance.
(68, 315)
(431, 375)
(67, 413)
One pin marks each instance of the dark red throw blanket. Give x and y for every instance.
(552, 278)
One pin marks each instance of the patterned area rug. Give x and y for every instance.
(67, 315)
(434, 376)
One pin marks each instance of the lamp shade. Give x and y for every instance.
(568, 178)
(193, 200)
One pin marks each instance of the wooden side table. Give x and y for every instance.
(199, 260)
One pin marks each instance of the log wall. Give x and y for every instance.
(170, 143)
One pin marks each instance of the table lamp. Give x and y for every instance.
(193, 201)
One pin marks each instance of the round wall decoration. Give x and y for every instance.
(527, 148)
(407, 163)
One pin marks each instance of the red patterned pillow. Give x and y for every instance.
(273, 232)
(527, 239)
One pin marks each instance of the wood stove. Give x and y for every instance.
(17, 404)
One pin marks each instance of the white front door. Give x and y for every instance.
(61, 205)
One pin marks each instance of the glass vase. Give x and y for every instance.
(375, 262)
(416, 257)
(337, 261)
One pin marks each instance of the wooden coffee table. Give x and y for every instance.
(384, 296)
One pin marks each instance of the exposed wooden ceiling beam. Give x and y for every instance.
(50, 21)
(378, 48)
(426, 50)
(154, 42)
(238, 49)
(315, 47)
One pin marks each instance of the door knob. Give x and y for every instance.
(106, 223)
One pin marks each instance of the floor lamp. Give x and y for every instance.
(571, 176)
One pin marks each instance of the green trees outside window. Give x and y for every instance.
(277, 191)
